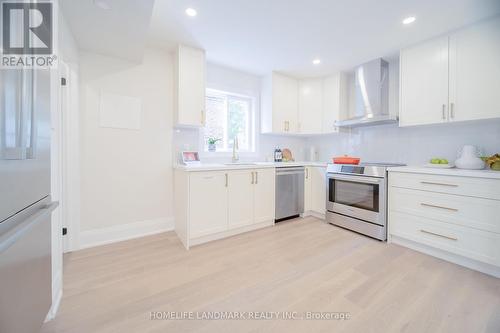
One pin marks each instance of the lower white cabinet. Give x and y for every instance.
(318, 193)
(263, 195)
(240, 198)
(451, 217)
(211, 205)
(315, 191)
(207, 203)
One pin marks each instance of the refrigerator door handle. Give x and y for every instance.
(13, 235)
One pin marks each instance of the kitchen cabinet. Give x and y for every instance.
(310, 106)
(263, 195)
(335, 99)
(211, 205)
(240, 198)
(448, 216)
(189, 87)
(307, 189)
(280, 104)
(318, 193)
(302, 107)
(208, 203)
(315, 191)
(424, 83)
(475, 72)
(452, 78)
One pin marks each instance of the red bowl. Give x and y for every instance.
(346, 160)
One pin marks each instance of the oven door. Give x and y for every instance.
(357, 196)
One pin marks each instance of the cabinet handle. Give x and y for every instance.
(452, 110)
(434, 206)
(227, 180)
(307, 173)
(439, 235)
(253, 179)
(440, 184)
(444, 111)
(256, 177)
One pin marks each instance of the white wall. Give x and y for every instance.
(228, 79)
(126, 177)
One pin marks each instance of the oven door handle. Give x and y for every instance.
(356, 179)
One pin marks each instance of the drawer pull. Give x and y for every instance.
(439, 235)
(434, 206)
(442, 184)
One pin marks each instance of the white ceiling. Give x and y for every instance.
(286, 35)
(120, 31)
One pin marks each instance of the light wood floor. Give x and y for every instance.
(301, 265)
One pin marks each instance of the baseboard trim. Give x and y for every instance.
(445, 255)
(118, 233)
(314, 214)
(55, 306)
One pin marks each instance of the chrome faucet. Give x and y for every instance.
(235, 157)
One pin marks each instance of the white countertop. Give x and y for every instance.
(242, 165)
(448, 172)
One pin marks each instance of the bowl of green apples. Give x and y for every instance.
(438, 162)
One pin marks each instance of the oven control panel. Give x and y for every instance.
(354, 169)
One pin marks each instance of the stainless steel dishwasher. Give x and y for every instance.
(289, 192)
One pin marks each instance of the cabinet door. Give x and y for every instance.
(310, 106)
(284, 103)
(331, 103)
(424, 83)
(264, 190)
(190, 87)
(240, 198)
(307, 189)
(207, 203)
(475, 72)
(318, 189)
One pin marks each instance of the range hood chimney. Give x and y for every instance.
(371, 96)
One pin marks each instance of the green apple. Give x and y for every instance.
(443, 161)
(435, 161)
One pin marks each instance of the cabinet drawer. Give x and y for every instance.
(472, 212)
(467, 186)
(468, 242)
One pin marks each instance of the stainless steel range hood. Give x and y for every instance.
(371, 86)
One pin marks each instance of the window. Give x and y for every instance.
(228, 116)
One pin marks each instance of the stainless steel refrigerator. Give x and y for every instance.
(25, 203)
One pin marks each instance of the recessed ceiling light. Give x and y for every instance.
(317, 61)
(191, 12)
(103, 4)
(409, 19)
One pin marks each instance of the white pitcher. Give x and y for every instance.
(469, 159)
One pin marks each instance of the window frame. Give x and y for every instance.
(253, 131)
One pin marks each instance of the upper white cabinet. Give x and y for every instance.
(452, 78)
(280, 104)
(334, 101)
(475, 72)
(424, 83)
(189, 84)
(308, 106)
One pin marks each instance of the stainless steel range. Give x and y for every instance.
(356, 197)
